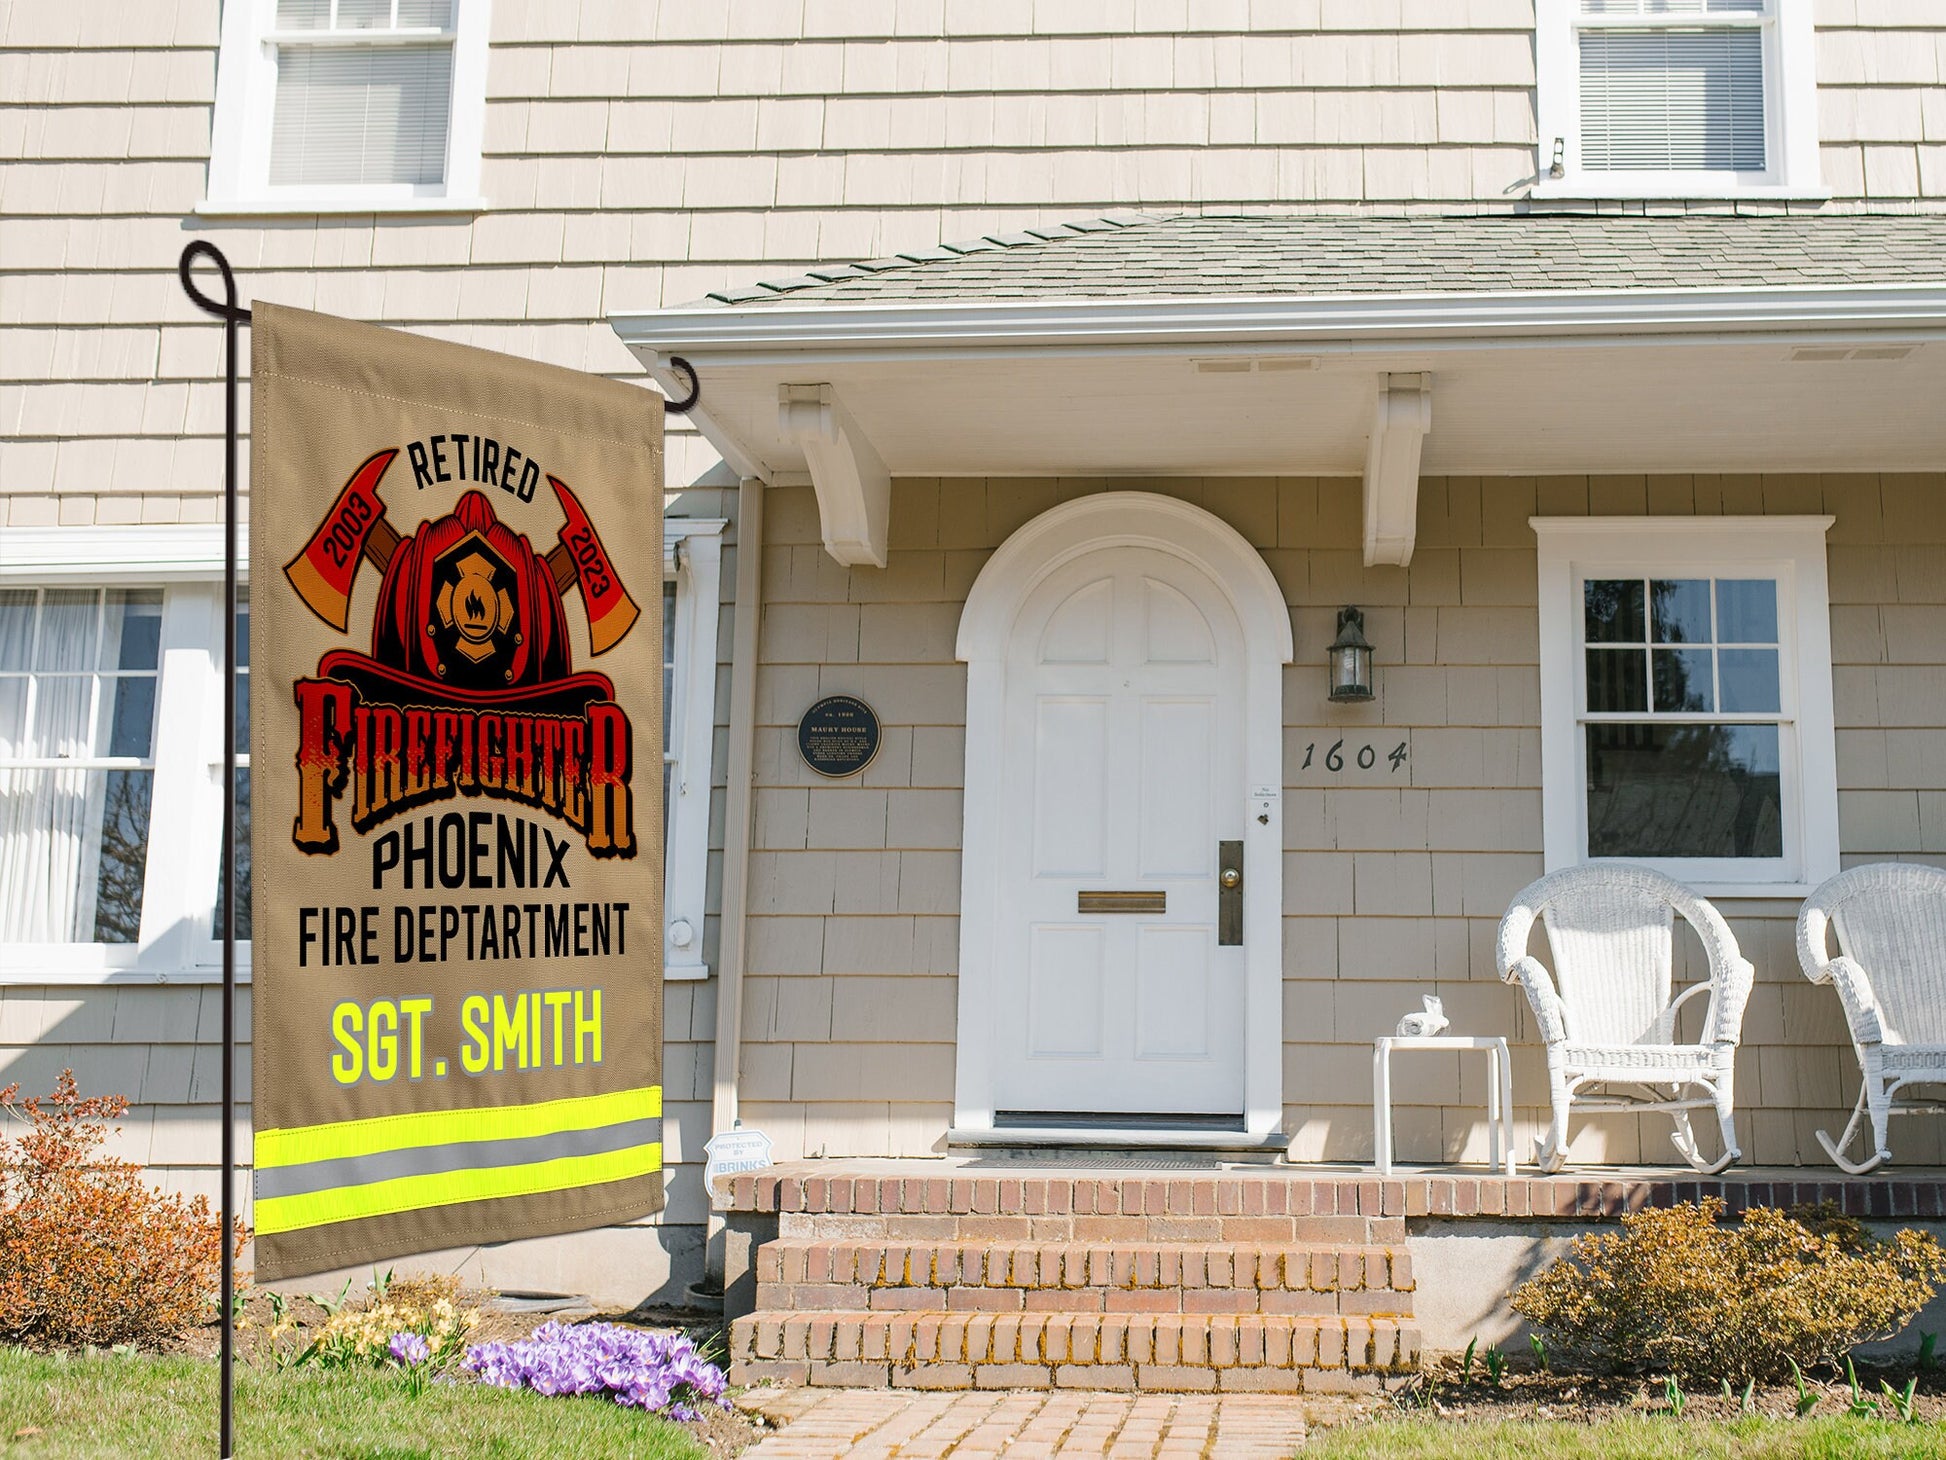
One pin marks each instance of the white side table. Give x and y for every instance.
(1500, 1092)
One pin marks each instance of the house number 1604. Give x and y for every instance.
(1365, 757)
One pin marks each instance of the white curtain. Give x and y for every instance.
(53, 706)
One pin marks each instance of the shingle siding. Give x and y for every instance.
(639, 155)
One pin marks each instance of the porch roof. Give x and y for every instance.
(1138, 255)
(1328, 345)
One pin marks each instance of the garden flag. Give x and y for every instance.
(456, 795)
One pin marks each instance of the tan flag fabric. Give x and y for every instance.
(456, 791)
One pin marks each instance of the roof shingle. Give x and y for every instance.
(1131, 256)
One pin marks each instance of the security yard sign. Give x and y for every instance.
(456, 715)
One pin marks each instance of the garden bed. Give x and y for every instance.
(1453, 1409)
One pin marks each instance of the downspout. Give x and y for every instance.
(740, 773)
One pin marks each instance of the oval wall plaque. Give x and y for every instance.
(838, 736)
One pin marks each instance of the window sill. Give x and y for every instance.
(24, 972)
(334, 207)
(1673, 188)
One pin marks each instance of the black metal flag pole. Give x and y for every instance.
(232, 314)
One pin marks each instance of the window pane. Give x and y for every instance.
(361, 114)
(242, 687)
(1612, 611)
(1750, 684)
(67, 631)
(242, 863)
(132, 630)
(13, 716)
(1684, 791)
(1680, 609)
(303, 14)
(414, 14)
(16, 629)
(1617, 680)
(73, 844)
(132, 720)
(1673, 100)
(124, 856)
(1746, 611)
(364, 14)
(1683, 680)
(61, 724)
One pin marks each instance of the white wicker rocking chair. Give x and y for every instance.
(1890, 975)
(1610, 928)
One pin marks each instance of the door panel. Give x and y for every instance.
(1173, 788)
(1122, 767)
(1071, 797)
(1172, 986)
(1065, 993)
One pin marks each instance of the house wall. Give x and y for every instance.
(1394, 882)
(638, 155)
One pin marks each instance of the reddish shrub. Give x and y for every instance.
(89, 1253)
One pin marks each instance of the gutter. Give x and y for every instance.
(722, 335)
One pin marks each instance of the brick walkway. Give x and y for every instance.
(880, 1424)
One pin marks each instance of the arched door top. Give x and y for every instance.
(1105, 519)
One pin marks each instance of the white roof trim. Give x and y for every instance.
(721, 334)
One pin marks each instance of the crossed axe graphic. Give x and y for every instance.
(356, 529)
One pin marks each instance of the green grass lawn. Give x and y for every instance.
(110, 1406)
(1645, 1438)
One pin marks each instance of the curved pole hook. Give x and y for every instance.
(228, 309)
(688, 402)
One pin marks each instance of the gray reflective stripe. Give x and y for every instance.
(275, 1181)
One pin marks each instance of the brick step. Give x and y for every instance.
(1284, 1353)
(1169, 1277)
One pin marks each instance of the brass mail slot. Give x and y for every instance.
(1122, 902)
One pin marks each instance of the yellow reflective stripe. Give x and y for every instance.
(300, 1145)
(416, 1193)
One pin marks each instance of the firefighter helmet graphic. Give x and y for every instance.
(468, 611)
(470, 687)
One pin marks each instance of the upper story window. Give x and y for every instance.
(1686, 713)
(1677, 98)
(349, 105)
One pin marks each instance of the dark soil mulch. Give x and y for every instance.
(1528, 1393)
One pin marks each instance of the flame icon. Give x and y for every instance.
(484, 611)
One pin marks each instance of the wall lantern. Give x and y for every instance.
(1350, 657)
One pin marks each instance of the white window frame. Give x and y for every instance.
(1790, 107)
(246, 97)
(186, 562)
(178, 902)
(1573, 550)
(692, 558)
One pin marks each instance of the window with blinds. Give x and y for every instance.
(1682, 91)
(364, 91)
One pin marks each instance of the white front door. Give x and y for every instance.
(1122, 769)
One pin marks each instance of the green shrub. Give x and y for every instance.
(1678, 1291)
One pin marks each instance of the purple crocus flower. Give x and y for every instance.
(661, 1372)
(410, 1349)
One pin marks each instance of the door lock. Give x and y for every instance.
(1229, 898)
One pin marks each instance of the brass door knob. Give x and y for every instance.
(1231, 877)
